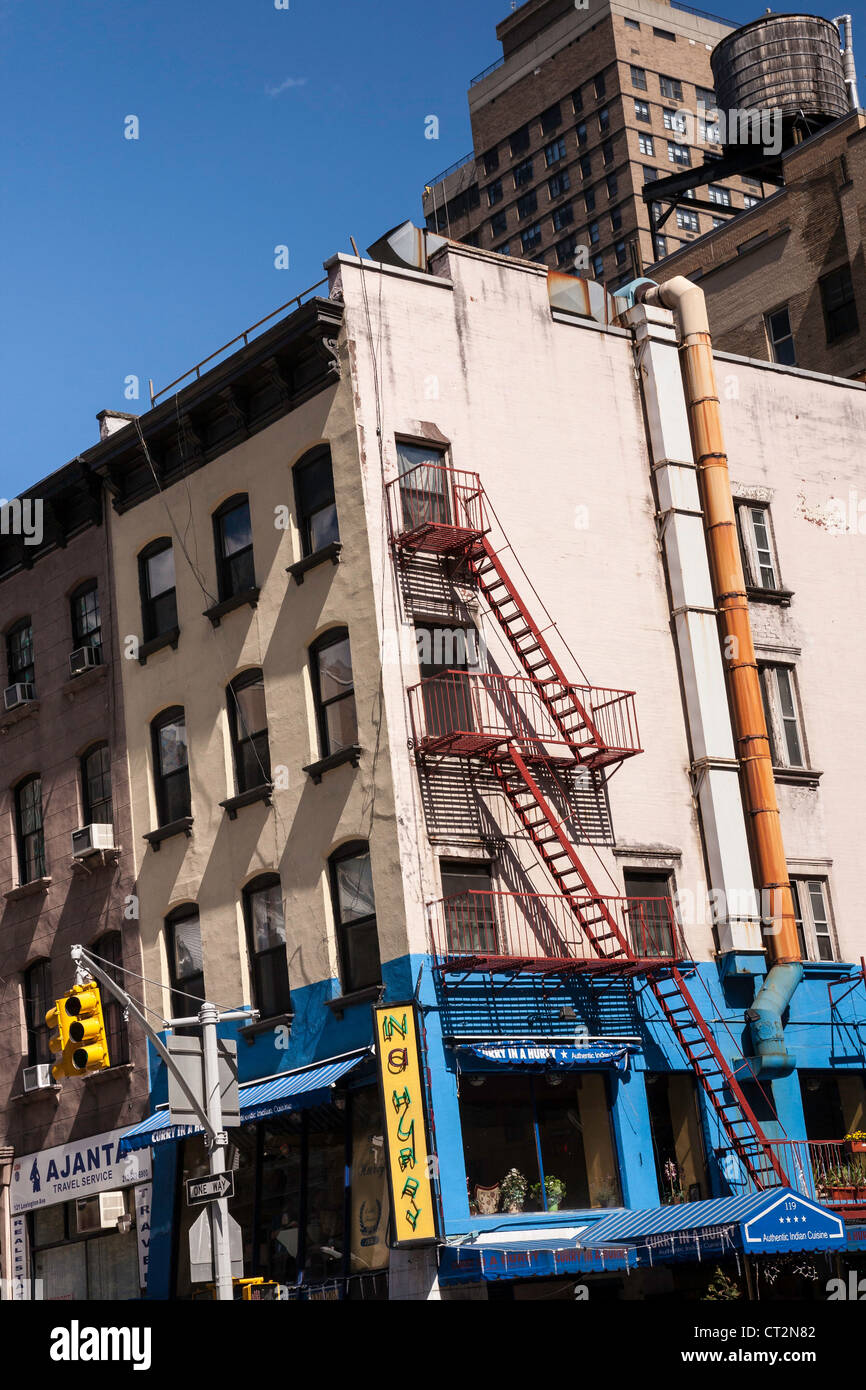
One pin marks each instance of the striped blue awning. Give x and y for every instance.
(296, 1090)
(539, 1258)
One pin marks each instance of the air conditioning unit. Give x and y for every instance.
(90, 839)
(38, 1078)
(83, 659)
(112, 1205)
(20, 694)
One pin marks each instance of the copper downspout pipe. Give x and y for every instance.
(729, 588)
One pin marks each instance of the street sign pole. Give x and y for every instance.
(219, 1209)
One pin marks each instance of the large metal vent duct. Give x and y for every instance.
(789, 63)
(849, 67)
(406, 246)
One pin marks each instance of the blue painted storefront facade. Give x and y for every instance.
(530, 1007)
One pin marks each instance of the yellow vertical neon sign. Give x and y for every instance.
(409, 1175)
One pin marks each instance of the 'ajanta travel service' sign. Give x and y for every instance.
(409, 1176)
(76, 1169)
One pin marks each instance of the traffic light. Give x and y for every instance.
(87, 1049)
(80, 1040)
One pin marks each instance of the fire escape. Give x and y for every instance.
(532, 730)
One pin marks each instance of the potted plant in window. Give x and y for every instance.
(837, 1185)
(512, 1190)
(673, 1193)
(554, 1190)
(856, 1141)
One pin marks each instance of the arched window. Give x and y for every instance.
(109, 950)
(19, 653)
(29, 829)
(157, 586)
(266, 938)
(355, 916)
(37, 1002)
(86, 619)
(183, 933)
(314, 498)
(334, 691)
(233, 539)
(171, 765)
(96, 785)
(248, 723)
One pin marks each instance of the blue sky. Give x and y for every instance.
(258, 127)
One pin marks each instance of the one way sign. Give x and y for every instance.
(201, 1190)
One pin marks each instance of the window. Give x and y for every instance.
(638, 78)
(96, 786)
(645, 145)
(498, 224)
(783, 719)
(661, 245)
(74, 1257)
(678, 154)
(664, 34)
(717, 222)
(650, 911)
(233, 537)
(812, 915)
(615, 219)
(599, 86)
(531, 237)
(687, 221)
(673, 120)
(157, 588)
(755, 183)
(29, 829)
(678, 1146)
(749, 201)
(632, 24)
(504, 249)
(334, 691)
(593, 233)
(837, 297)
(551, 118)
(314, 498)
(581, 133)
(266, 940)
(585, 166)
(563, 216)
(619, 252)
(834, 1103)
(780, 337)
(19, 653)
(709, 132)
(612, 185)
(185, 955)
(598, 267)
(559, 1124)
(248, 725)
(520, 141)
(355, 916)
(171, 765)
(108, 949)
(37, 1001)
(757, 549)
(604, 120)
(577, 101)
(86, 621)
(707, 97)
(527, 204)
(469, 907)
(494, 193)
(523, 173)
(642, 111)
(560, 183)
(565, 250)
(717, 194)
(671, 88)
(649, 175)
(491, 161)
(554, 151)
(607, 152)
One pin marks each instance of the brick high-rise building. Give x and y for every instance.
(579, 114)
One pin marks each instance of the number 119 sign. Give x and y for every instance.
(409, 1177)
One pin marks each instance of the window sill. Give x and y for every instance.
(832, 969)
(251, 1031)
(352, 755)
(798, 776)
(165, 832)
(122, 1069)
(782, 597)
(156, 644)
(228, 605)
(15, 716)
(28, 890)
(343, 1002)
(84, 681)
(40, 1093)
(330, 552)
(234, 803)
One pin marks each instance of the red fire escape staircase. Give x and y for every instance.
(442, 511)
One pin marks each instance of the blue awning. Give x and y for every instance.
(760, 1223)
(541, 1257)
(295, 1090)
(531, 1052)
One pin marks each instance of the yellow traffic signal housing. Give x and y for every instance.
(57, 1018)
(87, 1048)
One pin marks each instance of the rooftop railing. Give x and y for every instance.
(452, 169)
(479, 77)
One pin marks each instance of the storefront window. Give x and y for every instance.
(552, 1125)
(676, 1131)
(76, 1257)
(326, 1201)
(280, 1211)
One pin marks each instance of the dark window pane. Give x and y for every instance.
(96, 779)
